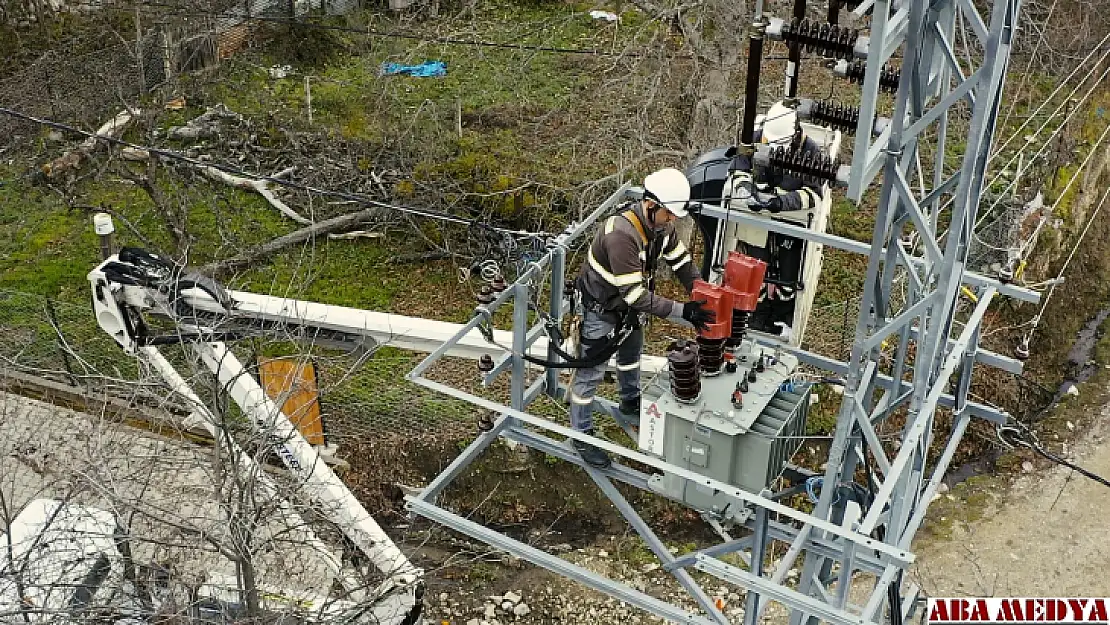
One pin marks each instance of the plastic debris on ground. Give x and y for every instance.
(423, 70)
(605, 15)
(277, 72)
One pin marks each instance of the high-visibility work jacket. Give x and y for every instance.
(619, 267)
(795, 194)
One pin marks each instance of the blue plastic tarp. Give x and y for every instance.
(423, 70)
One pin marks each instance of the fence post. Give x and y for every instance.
(52, 315)
(139, 49)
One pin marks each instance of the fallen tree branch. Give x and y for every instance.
(71, 161)
(204, 126)
(356, 234)
(261, 187)
(320, 228)
(424, 257)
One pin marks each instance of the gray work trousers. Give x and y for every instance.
(596, 329)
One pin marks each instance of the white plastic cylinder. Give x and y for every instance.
(102, 224)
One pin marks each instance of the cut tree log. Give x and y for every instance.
(71, 161)
(320, 228)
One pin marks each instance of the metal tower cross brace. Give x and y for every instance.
(937, 343)
(933, 81)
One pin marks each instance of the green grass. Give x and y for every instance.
(47, 249)
(343, 273)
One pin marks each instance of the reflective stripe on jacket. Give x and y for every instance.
(622, 257)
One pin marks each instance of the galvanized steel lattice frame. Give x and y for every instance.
(932, 81)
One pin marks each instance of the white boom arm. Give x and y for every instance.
(139, 282)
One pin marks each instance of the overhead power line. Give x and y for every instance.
(353, 197)
(180, 11)
(1060, 86)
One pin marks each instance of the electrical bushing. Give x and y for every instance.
(485, 363)
(718, 300)
(829, 40)
(743, 277)
(711, 341)
(682, 359)
(812, 166)
(855, 71)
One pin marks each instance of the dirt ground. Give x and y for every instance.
(1043, 535)
(1047, 538)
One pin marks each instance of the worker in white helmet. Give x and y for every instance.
(616, 288)
(775, 193)
(779, 128)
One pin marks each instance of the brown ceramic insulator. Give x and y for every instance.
(711, 355)
(682, 358)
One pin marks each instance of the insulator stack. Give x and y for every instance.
(739, 329)
(835, 114)
(809, 165)
(888, 76)
(743, 279)
(711, 355)
(828, 39)
(682, 357)
(711, 339)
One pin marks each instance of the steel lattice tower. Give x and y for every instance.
(930, 354)
(911, 354)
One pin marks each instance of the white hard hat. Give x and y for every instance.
(779, 124)
(670, 188)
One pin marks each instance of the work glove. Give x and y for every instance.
(696, 315)
(766, 201)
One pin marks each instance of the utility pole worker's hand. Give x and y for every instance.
(696, 315)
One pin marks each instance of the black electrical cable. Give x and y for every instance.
(1058, 460)
(419, 212)
(1028, 439)
(893, 596)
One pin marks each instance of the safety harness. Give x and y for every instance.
(626, 321)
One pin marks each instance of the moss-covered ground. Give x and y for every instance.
(508, 135)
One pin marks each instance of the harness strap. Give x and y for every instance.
(631, 216)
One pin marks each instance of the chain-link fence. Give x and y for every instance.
(360, 395)
(1006, 235)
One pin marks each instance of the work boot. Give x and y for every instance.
(630, 408)
(595, 457)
